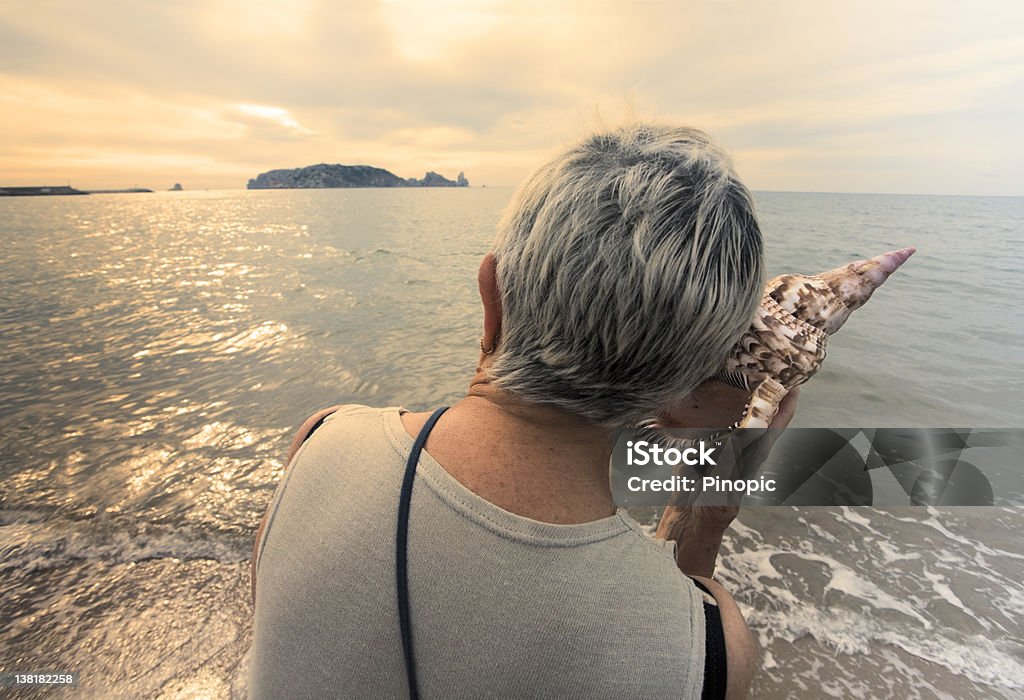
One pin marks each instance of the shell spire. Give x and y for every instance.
(785, 344)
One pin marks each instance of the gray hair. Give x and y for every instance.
(628, 267)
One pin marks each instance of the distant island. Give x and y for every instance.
(60, 189)
(38, 191)
(129, 190)
(328, 176)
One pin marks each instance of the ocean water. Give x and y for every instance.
(160, 349)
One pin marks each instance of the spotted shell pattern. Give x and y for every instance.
(785, 344)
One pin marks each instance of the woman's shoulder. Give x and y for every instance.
(356, 409)
(354, 414)
(350, 421)
(337, 413)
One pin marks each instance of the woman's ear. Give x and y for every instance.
(487, 279)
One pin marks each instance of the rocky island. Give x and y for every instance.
(38, 191)
(327, 176)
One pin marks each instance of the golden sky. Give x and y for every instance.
(914, 97)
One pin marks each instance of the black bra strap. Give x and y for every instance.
(402, 547)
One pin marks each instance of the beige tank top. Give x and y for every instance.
(501, 605)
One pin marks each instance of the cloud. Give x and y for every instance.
(267, 122)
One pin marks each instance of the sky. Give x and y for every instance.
(891, 97)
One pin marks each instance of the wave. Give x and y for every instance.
(30, 544)
(846, 597)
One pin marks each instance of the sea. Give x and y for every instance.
(159, 350)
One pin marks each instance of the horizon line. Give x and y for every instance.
(504, 186)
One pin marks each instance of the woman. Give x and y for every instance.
(495, 562)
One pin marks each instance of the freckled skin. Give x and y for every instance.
(785, 344)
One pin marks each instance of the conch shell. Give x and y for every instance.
(785, 345)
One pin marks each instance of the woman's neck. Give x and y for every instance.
(533, 460)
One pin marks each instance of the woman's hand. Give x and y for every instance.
(696, 529)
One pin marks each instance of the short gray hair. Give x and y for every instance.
(628, 266)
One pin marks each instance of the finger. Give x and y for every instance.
(787, 409)
(755, 445)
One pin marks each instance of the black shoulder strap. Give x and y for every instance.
(402, 547)
(716, 669)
